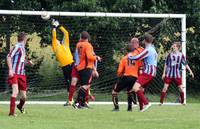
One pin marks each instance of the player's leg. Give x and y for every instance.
(85, 79)
(14, 84)
(22, 101)
(72, 89)
(143, 80)
(67, 76)
(22, 88)
(87, 93)
(131, 96)
(163, 94)
(119, 86)
(115, 97)
(91, 97)
(139, 100)
(178, 82)
(88, 97)
(181, 93)
(15, 92)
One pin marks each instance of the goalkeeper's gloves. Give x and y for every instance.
(55, 23)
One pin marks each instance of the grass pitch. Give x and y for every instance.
(101, 117)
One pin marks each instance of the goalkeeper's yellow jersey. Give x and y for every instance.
(62, 51)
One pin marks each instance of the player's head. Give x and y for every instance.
(148, 38)
(21, 37)
(176, 46)
(135, 42)
(85, 36)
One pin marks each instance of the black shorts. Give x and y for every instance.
(85, 76)
(67, 73)
(125, 82)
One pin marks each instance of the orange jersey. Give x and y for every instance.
(128, 67)
(86, 55)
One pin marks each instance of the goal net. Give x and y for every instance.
(110, 33)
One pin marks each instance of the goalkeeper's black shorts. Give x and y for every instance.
(67, 74)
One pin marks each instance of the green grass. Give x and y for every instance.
(101, 117)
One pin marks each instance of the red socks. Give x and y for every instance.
(162, 97)
(87, 96)
(182, 97)
(140, 103)
(71, 92)
(141, 97)
(12, 105)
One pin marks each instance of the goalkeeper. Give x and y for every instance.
(62, 52)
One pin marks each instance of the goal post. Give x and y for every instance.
(181, 17)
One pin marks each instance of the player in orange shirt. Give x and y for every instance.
(85, 67)
(128, 72)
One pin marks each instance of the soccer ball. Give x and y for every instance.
(45, 16)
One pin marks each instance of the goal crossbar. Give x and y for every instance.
(92, 14)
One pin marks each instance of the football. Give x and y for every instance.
(45, 16)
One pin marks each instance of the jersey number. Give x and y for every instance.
(130, 62)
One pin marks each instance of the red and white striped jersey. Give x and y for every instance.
(149, 55)
(173, 63)
(17, 55)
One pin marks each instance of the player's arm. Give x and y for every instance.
(140, 64)
(140, 56)
(66, 35)
(9, 60)
(95, 73)
(28, 62)
(76, 58)
(165, 66)
(90, 55)
(121, 68)
(164, 70)
(184, 62)
(54, 40)
(188, 68)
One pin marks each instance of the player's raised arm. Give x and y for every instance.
(140, 56)
(66, 35)
(54, 40)
(55, 24)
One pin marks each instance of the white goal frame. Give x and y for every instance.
(103, 14)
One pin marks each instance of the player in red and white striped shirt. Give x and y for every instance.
(17, 79)
(172, 71)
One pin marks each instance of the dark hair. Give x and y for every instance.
(148, 37)
(21, 36)
(85, 35)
